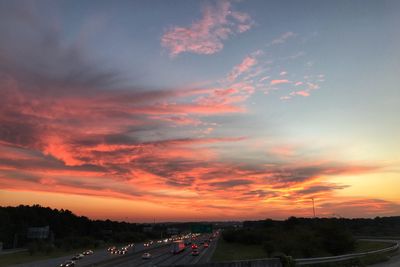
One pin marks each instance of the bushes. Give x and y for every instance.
(245, 236)
(74, 242)
(297, 237)
(287, 261)
(40, 246)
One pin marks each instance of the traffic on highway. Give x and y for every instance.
(195, 250)
(184, 249)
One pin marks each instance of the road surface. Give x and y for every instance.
(98, 256)
(161, 256)
(393, 262)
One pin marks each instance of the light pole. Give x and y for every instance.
(313, 206)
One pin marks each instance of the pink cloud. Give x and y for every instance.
(206, 35)
(243, 67)
(283, 151)
(283, 73)
(274, 82)
(312, 86)
(282, 39)
(301, 93)
(208, 130)
(298, 83)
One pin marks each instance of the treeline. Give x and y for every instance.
(379, 226)
(67, 230)
(305, 237)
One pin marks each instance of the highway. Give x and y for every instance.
(99, 255)
(161, 256)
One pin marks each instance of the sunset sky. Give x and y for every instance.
(201, 110)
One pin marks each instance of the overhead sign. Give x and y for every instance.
(201, 228)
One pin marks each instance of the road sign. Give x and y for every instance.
(201, 228)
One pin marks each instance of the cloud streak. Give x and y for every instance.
(206, 36)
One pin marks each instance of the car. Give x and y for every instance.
(146, 244)
(111, 248)
(194, 246)
(77, 257)
(68, 264)
(115, 251)
(146, 255)
(88, 252)
(206, 245)
(121, 252)
(195, 252)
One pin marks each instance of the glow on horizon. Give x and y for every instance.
(210, 112)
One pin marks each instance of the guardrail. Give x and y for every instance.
(308, 261)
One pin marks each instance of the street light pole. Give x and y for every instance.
(313, 206)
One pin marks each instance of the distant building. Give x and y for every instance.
(38, 232)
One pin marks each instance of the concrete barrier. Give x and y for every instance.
(242, 263)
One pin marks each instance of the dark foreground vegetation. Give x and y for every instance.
(67, 231)
(306, 237)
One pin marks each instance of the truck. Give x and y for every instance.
(177, 247)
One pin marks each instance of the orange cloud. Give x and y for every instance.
(274, 82)
(301, 93)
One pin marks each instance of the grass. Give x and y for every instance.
(234, 251)
(365, 246)
(377, 258)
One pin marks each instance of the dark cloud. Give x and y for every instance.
(320, 189)
(230, 183)
(260, 194)
(47, 163)
(20, 133)
(186, 181)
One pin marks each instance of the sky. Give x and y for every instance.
(201, 110)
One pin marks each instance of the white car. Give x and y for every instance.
(77, 257)
(121, 252)
(146, 255)
(68, 264)
(88, 252)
